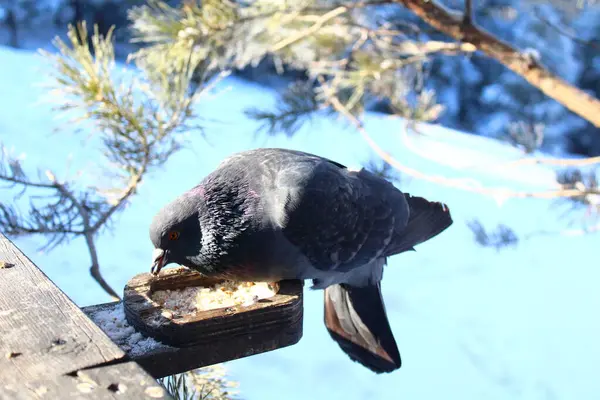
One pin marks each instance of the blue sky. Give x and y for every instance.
(470, 322)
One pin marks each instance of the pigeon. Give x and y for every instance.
(273, 214)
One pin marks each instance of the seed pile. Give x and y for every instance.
(222, 295)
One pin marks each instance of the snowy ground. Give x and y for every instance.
(471, 322)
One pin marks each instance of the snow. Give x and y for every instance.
(222, 295)
(470, 322)
(112, 321)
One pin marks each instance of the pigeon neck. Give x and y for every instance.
(227, 212)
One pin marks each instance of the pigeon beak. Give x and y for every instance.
(159, 259)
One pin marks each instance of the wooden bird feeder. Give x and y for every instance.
(208, 337)
(216, 326)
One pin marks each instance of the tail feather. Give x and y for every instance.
(356, 319)
(427, 219)
(355, 316)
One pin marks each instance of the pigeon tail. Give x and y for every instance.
(427, 219)
(356, 319)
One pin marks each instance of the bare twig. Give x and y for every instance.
(592, 43)
(467, 184)
(413, 52)
(434, 46)
(562, 162)
(559, 162)
(89, 227)
(412, 48)
(455, 26)
(64, 226)
(89, 237)
(24, 182)
(468, 14)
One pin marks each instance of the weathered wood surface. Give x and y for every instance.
(44, 336)
(119, 381)
(208, 337)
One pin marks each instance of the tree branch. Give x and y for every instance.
(463, 29)
(558, 162)
(60, 229)
(88, 233)
(23, 182)
(318, 24)
(134, 182)
(468, 14)
(467, 184)
(136, 136)
(562, 162)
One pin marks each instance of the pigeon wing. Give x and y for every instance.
(339, 219)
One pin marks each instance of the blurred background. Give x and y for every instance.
(490, 106)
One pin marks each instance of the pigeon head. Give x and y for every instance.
(175, 233)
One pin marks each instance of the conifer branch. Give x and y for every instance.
(137, 123)
(461, 27)
(318, 24)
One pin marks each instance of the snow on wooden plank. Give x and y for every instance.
(161, 360)
(165, 342)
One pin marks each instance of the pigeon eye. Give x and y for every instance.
(173, 235)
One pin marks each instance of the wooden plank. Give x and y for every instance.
(42, 325)
(119, 381)
(44, 336)
(163, 360)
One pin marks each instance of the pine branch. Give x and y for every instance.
(327, 32)
(382, 169)
(178, 387)
(296, 104)
(67, 216)
(318, 24)
(463, 29)
(88, 233)
(19, 181)
(137, 123)
(57, 217)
